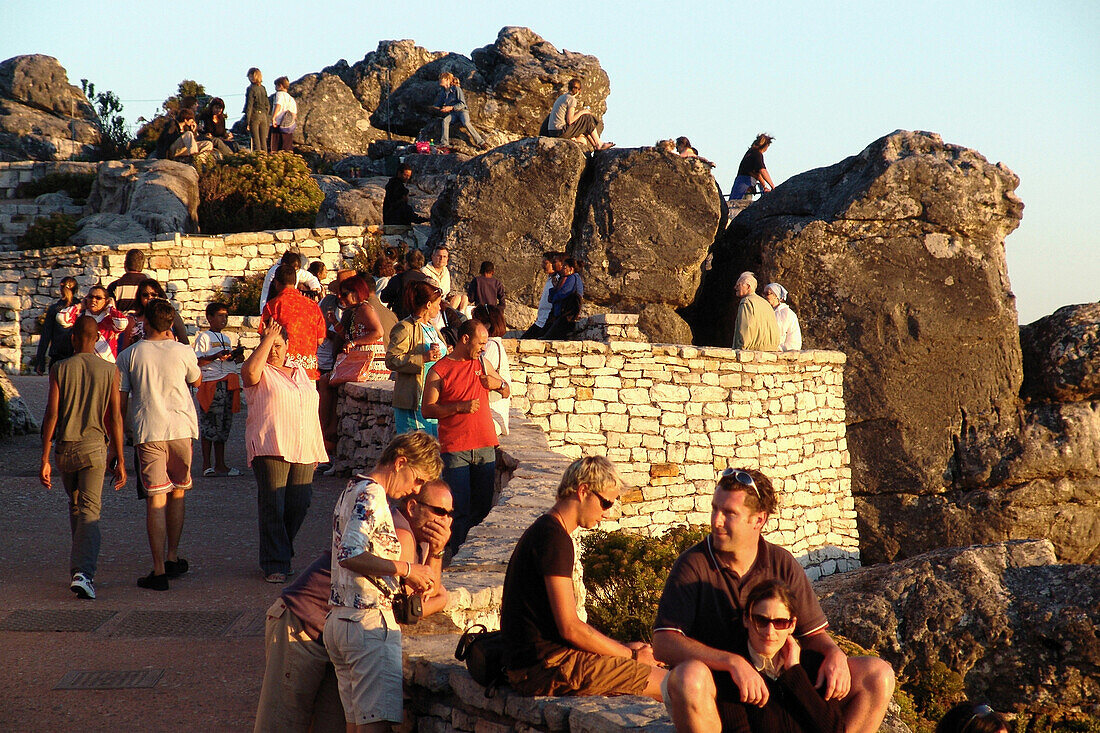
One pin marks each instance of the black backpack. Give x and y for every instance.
(483, 652)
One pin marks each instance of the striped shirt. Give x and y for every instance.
(282, 418)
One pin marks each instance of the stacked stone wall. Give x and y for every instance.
(16, 216)
(25, 171)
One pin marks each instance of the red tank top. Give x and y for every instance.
(461, 381)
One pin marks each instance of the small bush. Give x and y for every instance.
(52, 231)
(624, 575)
(367, 253)
(244, 295)
(253, 191)
(77, 185)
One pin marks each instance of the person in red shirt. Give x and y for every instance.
(301, 318)
(456, 393)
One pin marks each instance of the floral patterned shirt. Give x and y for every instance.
(361, 522)
(304, 324)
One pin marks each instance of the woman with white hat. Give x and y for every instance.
(790, 334)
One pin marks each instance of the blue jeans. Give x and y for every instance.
(282, 499)
(462, 117)
(472, 475)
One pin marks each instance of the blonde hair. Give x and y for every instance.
(419, 449)
(595, 471)
(446, 76)
(762, 141)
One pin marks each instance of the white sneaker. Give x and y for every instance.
(82, 586)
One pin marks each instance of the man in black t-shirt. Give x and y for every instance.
(698, 629)
(124, 290)
(550, 650)
(396, 208)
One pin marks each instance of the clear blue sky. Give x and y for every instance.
(1017, 81)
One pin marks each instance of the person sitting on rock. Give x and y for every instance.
(549, 650)
(698, 631)
(451, 104)
(567, 121)
(565, 300)
(752, 171)
(185, 142)
(212, 127)
(396, 208)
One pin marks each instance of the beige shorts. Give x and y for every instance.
(164, 465)
(566, 671)
(365, 648)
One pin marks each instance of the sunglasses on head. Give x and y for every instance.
(981, 711)
(762, 622)
(605, 503)
(743, 478)
(437, 510)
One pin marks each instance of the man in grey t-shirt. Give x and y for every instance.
(157, 374)
(568, 121)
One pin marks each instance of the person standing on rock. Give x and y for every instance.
(699, 630)
(257, 111)
(82, 412)
(283, 117)
(756, 328)
(790, 333)
(157, 374)
(752, 170)
(567, 121)
(456, 393)
(451, 103)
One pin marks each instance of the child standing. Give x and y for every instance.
(220, 392)
(486, 289)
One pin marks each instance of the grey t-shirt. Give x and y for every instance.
(157, 374)
(84, 383)
(558, 114)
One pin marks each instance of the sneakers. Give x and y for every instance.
(152, 581)
(176, 568)
(82, 586)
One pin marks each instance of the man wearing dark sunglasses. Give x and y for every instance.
(550, 650)
(699, 620)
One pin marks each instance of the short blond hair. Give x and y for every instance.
(446, 76)
(419, 449)
(595, 471)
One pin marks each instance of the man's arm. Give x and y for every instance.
(834, 678)
(114, 431)
(492, 381)
(432, 408)
(49, 425)
(577, 633)
(399, 354)
(673, 647)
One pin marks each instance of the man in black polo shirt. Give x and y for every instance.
(698, 623)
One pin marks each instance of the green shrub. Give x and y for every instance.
(77, 185)
(253, 191)
(243, 298)
(367, 253)
(52, 231)
(624, 575)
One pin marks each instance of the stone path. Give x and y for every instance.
(203, 637)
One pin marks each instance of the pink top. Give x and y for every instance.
(282, 418)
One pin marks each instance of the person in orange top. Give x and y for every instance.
(301, 318)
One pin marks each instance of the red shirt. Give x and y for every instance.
(461, 381)
(304, 324)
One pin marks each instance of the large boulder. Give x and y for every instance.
(509, 206)
(646, 219)
(1061, 354)
(898, 258)
(1018, 628)
(133, 200)
(330, 119)
(20, 419)
(660, 324)
(42, 115)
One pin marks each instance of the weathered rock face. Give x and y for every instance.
(646, 219)
(347, 206)
(1020, 629)
(42, 116)
(20, 419)
(896, 257)
(1061, 354)
(509, 206)
(509, 85)
(133, 200)
(660, 324)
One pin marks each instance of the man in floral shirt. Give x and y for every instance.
(361, 635)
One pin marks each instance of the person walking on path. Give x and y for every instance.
(451, 104)
(456, 393)
(756, 328)
(156, 376)
(82, 412)
(752, 170)
(284, 445)
(54, 339)
(257, 111)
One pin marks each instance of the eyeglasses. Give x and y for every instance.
(147, 294)
(762, 622)
(437, 510)
(981, 711)
(605, 503)
(743, 478)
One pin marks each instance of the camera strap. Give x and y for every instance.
(387, 591)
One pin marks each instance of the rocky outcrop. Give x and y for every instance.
(660, 324)
(896, 257)
(646, 219)
(510, 86)
(20, 419)
(42, 115)
(509, 206)
(1018, 628)
(1061, 354)
(131, 201)
(348, 206)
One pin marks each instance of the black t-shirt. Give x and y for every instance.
(525, 615)
(395, 206)
(751, 164)
(124, 290)
(794, 705)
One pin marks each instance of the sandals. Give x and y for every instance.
(277, 578)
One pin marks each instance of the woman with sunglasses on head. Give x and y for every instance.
(970, 717)
(793, 704)
(414, 346)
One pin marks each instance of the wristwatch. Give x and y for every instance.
(437, 555)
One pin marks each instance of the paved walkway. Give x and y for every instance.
(203, 637)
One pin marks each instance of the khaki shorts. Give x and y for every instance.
(564, 671)
(164, 465)
(365, 648)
